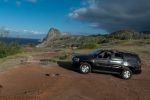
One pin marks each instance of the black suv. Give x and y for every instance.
(110, 61)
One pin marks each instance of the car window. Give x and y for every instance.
(118, 55)
(100, 55)
(105, 55)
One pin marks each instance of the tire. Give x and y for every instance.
(126, 73)
(85, 68)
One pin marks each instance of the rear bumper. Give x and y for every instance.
(138, 69)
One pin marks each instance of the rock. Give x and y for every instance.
(52, 35)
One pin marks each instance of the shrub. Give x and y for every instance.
(64, 55)
(88, 46)
(9, 49)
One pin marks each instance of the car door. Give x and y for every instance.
(102, 61)
(116, 62)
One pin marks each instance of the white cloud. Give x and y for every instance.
(19, 2)
(32, 32)
(36, 32)
(24, 31)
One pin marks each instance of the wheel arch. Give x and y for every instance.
(129, 67)
(91, 64)
(125, 69)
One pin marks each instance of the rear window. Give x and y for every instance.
(138, 59)
(133, 58)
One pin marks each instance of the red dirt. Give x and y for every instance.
(45, 55)
(33, 82)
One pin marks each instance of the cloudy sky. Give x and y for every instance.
(76, 16)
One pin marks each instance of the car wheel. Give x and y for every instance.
(85, 68)
(126, 73)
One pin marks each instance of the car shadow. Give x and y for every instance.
(109, 74)
(67, 65)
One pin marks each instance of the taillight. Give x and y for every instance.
(141, 65)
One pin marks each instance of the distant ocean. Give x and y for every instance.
(22, 41)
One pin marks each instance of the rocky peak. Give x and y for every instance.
(53, 34)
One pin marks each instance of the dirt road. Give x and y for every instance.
(34, 82)
(60, 82)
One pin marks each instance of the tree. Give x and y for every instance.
(4, 32)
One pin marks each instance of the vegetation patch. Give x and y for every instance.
(9, 49)
(88, 46)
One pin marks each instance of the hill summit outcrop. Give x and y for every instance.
(53, 34)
